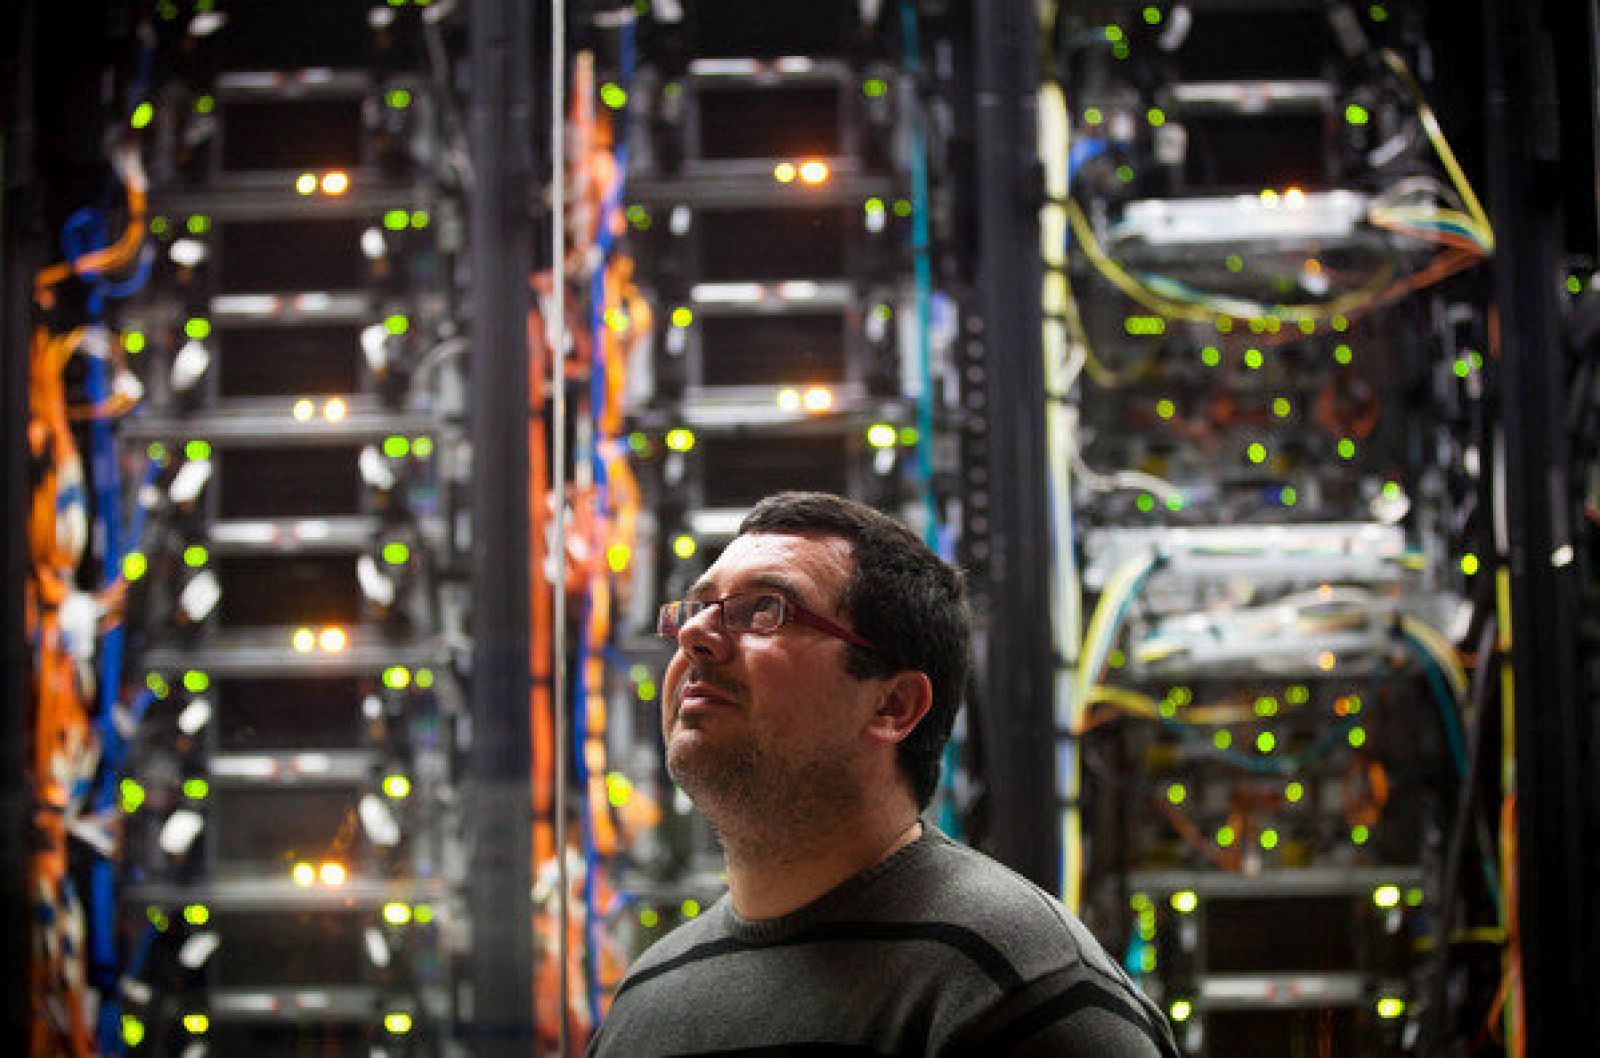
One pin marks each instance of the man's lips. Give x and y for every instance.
(701, 697)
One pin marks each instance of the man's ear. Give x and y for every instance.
(903, 700)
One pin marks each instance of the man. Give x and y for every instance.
(819, 666)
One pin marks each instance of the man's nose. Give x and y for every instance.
(705, 636)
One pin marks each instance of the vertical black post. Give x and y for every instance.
(501, 807)
(1553, 789)
(16, 159)
(1020, 773)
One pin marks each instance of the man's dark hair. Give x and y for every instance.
(902, 598)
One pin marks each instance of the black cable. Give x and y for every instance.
(1437, 975)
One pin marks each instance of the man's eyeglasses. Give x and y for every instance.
(761, 612)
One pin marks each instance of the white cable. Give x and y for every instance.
(558, 489)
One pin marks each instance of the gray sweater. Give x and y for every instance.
(938, 950)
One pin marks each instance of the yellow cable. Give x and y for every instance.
(1430, 125)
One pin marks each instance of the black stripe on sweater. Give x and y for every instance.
(969, 943)
(1078, 997)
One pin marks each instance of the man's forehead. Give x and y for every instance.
(808, 565)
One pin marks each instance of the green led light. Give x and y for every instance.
(874, 87)
(690, 908)
(396, 913)
(1165, 408)
(908, 436)
(682, 316)
(1184, 901)
(132, 1030)
(1356, 114)
(881, 435)
(131, 794)
(196, 914)
(197, 451)
(424, 678)
(1269, 839)
(1181, 1010)
(882, 312)
(1413, 897)
(872, 206)
(1145, 502)
(158, 918)
(902, 207)
(1347, 448)
(1168, 708)
(684, 546)
(1360, 834)
(639, 217)
(613, 95)
(1340, 323)
(1386, 896)
(196, 789)
(134, 342)
(1210, 356)
(398, 98)
(1266, 742)
(1391, 490)
(1174, 501)
(1574, 285)
(1288, 496)
(1257, 452)
(1224, 324)
(198, 328)
(1266, 705)
(1294, 792)
(1378, 13)
(1222, 739)
(1281, 407)
(195, 556)
(649, 918)
(1125, 173)
(680, 439)
(646, 689)
(1147, 960)
(1177, 794)
(158, 225)
(1145, 325)
(1234, 263)
(422, 447)
(1152, 15)
(397, 677)
(142, 115)
(396, 787)
(396, 324)
(1357, 737)
(1113, 34)
(396, 554)
(619, 789)
(638, 443)
(1117, 658)
(1156, 117)
(134, 566)
(195, 681)
(1253, 359)
(156, 685)
(1092, 116)
(1297, 694)
(423, 913)
(396, 447)
(1469, 564)
(1139, 902)
(1225, 836)
(1390, 1007)
(396, 220)
(1462, 367)
(198, 224)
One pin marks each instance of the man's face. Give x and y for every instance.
(768, 727)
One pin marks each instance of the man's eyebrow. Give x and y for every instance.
(704, 588)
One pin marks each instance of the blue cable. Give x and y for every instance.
(923, 270)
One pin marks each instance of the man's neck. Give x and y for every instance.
(773, 875)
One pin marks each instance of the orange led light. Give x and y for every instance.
(304, 874)
(818, 399)
(334, 410)
(333, 873)
(335, 182)
(813, 172)
(332, 640)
